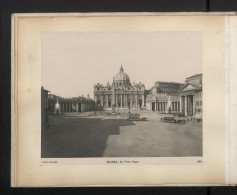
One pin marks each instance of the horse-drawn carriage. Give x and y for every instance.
(136, 117)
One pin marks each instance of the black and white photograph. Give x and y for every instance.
(123, 99)
(135, 94)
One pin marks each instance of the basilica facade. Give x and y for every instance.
(121, 93)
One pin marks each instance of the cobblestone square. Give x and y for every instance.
(75, 135)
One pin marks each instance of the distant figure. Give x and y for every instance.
(95, 113)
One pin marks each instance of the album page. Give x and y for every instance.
(123, 99)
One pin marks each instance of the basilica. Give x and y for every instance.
(121, 93)
(163, 97)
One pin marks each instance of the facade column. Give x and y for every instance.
(116, 98)
(181, 104)
(185, 105)
(126, 99)
(101, 100)
(136, 101)
(123, 102)
(107, 100)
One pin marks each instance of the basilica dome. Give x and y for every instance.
(121, 77)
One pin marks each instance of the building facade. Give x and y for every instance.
(170, 97)
(191, 96)
(164, 97)
(120, 93)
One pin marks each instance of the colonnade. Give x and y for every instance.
(70, 107)
(163, 106)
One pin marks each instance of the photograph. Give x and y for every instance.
(121, 94)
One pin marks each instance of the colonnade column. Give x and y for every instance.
(62, 105)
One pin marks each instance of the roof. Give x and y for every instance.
(196, 75)
(168, 82)
(193, 87)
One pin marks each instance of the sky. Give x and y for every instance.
(73, 62)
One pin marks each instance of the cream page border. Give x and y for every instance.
(26, 100)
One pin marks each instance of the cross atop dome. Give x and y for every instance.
(121, 68)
